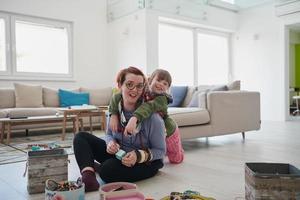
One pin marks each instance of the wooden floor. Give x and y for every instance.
(214, 167)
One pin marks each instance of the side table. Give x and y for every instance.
(7, 123)
(83, 111)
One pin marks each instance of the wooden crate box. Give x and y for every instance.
(43, 165)
(272, 181)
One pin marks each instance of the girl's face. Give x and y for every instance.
(159, 86)
(132, 88)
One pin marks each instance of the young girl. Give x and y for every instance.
(156, 99)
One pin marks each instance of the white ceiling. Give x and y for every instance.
(241, 4)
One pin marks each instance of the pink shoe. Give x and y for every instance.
(174, 148)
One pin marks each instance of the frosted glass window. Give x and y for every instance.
(176, 53)
(213, 59)
(41, 48)
(2, 46)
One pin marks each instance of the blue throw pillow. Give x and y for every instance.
(178, 93)
(69, 98)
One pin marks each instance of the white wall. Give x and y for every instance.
(127, 42)
(139, 46)
(89, 36)
(260, 58)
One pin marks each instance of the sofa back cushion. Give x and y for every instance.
(188, 96)
(69, 98)
(99, 97)
(28, 96)
(50, 97)
(178, 93)
(235, 85)
(199, 96)
(198, 99)
(7, 98)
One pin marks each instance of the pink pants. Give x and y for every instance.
(174, 147)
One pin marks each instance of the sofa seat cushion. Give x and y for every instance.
(29, 112)
(3, 113)
(189, 116)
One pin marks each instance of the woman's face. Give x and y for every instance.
(132, 88)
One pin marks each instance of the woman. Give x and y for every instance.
(144, 151)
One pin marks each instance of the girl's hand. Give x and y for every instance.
(131, 126)
(112, 147)
(114, 123)
(129, 159)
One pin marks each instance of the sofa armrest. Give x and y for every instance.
(234, 111)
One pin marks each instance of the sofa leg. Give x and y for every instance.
(243, 134)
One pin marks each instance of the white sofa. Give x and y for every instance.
(218, 113)
(48, 104)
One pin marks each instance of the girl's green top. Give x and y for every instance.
(158, 104)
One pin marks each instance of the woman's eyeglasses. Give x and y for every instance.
(130, 86)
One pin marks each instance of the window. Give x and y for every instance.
(38, 48)
(213, 58)
(176, 53)
(2, 46)
(194, 56)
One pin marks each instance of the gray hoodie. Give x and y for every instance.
(152, 132)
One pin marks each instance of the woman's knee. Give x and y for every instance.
(109, 170)
(78, 137)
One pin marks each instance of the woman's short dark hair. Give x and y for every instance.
(161, 75)
(129, 70)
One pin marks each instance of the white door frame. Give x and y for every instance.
(287, 73)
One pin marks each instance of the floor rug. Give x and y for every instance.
(16, 151)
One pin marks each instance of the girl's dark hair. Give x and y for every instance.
(161, 75)
(129, 70)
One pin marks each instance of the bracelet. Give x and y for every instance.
(150, 156)
(138, 156)
(143, 156)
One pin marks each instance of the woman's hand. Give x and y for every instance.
(112, 147)
(131, 126)
(114, 123)
(129, 159)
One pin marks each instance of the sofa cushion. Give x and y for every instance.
(178, 93)
(28, 95)
(198, 99)
(189, 116)
(69, 98)
(235, 85)
(50, 97)
(7, 98)
(188, 96)
(99, 97)
(199, 96)
(3, 113)
(28, 112)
